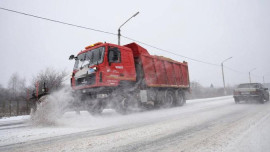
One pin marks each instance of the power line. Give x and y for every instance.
(241, 72)
(259, 76)
(186, 56)
(88, 28)
(235, 70)
(170, 51)
(96, 30)
(51, 20)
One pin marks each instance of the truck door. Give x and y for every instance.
(121, 64)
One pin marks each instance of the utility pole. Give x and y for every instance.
(249, 77)
(224, 87)
(119, 34)
(249, 74)
(263, 80)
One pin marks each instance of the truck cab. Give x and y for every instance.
(102, 65)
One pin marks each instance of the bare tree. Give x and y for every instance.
(52, 78)
(2, 93)
(196, 90)
(16, 86)
(3, 100)
(17, 95)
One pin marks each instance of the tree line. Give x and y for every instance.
(198, 91)
(15, 98)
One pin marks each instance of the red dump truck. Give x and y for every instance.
(127, 78)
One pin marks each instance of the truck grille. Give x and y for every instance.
(88, 80)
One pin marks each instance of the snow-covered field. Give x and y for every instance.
(213, 124)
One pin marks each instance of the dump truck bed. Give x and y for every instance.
(164, 72)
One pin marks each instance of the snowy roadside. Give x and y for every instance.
(15, 118)
(214, 124)
(72, 123)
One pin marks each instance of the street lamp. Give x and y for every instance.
(123, 25)
(225, 93)
(249, 74)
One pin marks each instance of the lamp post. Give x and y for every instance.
(249, 74)
(123, 25)
(225, 93)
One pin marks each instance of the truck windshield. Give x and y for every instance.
(91, 57)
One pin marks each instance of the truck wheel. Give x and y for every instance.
(122, 106)
(96, 108)
(168, 99)
(179, 98)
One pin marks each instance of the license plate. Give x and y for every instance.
(245, 92)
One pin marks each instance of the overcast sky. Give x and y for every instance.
(209, 30)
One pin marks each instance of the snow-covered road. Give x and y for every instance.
(213, 124)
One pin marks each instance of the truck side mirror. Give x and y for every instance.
(71, 57)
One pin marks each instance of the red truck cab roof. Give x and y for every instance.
(136, 49)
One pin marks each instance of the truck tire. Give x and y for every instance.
(121, 107)
(128, 103)
(96, 108)
(169, 98)
(179, 98)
